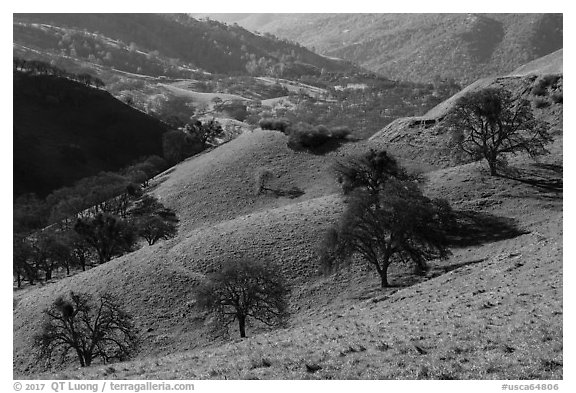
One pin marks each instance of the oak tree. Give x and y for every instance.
(491, 123)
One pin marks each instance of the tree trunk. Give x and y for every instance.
(242, 326)
(383, 280)
(48, 274)
(492, 163)
(19, 279)
(81, 358)
(492, 168)
(383, 276)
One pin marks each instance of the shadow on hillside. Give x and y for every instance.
(544, 176)
(291, 193)
(472, 228)
(325, 148)
(448, 268)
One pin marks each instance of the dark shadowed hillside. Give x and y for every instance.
(419, 47)
(64, 130)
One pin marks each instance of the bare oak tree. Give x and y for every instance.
(490, 123)
(89, 328)
(242, 290)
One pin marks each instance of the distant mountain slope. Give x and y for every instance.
(64, 131)
(419, 47)
(161, 44)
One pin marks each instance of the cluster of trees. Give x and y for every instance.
(210, 45)
(90, 238)
(106, 192)
(363, 103)
(98, 218)
(193, 138)
(43, 68)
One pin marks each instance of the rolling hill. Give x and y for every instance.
(418, 47)
(493, 310)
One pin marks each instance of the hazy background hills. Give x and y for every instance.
(418, 47)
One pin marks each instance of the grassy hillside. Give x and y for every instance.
(345, 323)
(419, 47)
(493, 310)
(64, 131)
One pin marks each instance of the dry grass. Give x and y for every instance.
(499, 317)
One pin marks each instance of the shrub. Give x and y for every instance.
(548, 80)
(539, 90)
(280, 124)
(261, 177)
(541, 84)
(341, 132)
(557, 97)
(305, 136)
(540, 102)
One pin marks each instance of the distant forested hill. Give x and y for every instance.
(165, 44)
(418, 47)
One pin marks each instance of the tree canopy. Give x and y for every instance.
(490, 123)
(399, 224)
(89, 328)
(244, 290)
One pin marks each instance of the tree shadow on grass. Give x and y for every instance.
(472, 228)
(544, 176)
(454, 266)
(291, 193)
